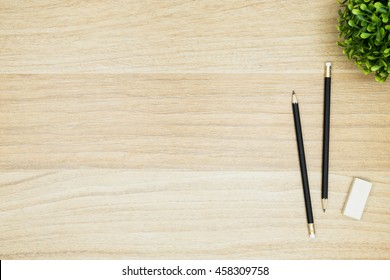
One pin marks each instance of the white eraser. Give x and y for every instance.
(357, 198)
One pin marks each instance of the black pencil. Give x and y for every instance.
(325, 142)
(302, 163)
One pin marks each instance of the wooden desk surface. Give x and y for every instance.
(163, 129)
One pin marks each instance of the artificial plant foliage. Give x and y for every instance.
(364, 27)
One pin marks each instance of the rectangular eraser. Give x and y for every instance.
(357, 198)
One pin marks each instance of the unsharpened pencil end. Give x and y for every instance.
(328, 69)
(312, 230)
(294, 98)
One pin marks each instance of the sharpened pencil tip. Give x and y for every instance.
(324, 202)
(294, 98)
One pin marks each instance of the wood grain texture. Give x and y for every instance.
(167, 36)
(163, 129)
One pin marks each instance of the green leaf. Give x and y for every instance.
(350, 53)
(382, 62)
(382, 31)
(371, 28)
(341, 44)
(351, 23)
(378, 36)
(380, 7)
(365, 35)
(383, 74)
(379, 79)
(376, 20)
(362, 19)
(364, 7)
(366, 71)
(383, 10)
(375, 68)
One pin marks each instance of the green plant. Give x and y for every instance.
(364, 27)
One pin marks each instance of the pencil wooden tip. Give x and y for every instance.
(324, 203)
(294, 98)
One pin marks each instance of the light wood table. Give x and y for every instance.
(164, 129)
